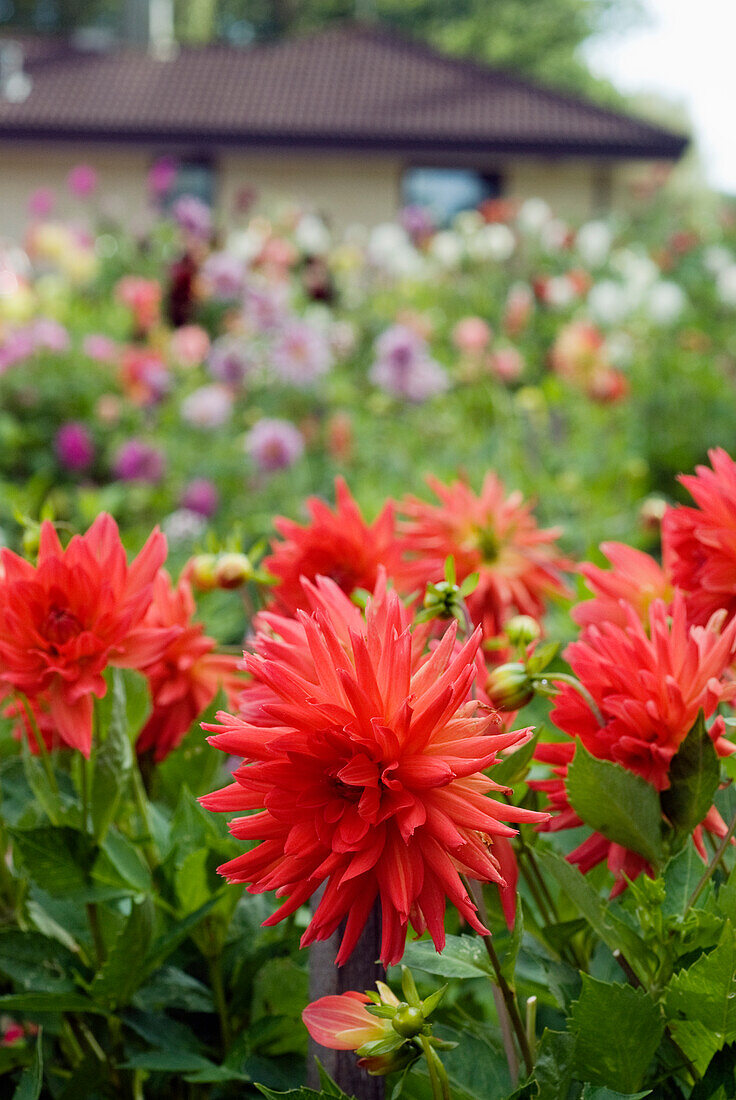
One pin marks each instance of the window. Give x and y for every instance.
(447, 191)
(187, 176)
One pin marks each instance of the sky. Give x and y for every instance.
(687, 51)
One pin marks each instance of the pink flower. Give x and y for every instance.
(82, 181)
(74, 447)
(41, 202)
(161, 176)
(189, 345)
(342, 1022)
(274, 444)
(471, 335)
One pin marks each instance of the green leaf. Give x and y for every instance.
(694, 775)
(476, 1067)
(193, 1067)
(681, 876)
(701, 1001)
(512, 768)
(617, 803)
(120, 863)
(49, 1002)
(50, 928)
(166, 944)
(553, 1072)
(171, 987)
(113, 760)
(594, 1092)
(462, 957)
(301, 1094)
(39, 964)
(55, 858)
(612, 930)
(31, 1083)
(542, 656)
(123, 971)
(508, 959)
(617, 1030)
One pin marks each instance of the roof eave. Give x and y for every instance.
(669, 148)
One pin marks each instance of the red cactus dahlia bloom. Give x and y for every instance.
(702, 540)
(365, 756)
(648, 685)
(186, 675)
(491, 534)
(634, 581)
(65, 620)
(337, 544)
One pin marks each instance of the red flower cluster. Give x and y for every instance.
(82, 609)
(364, 755)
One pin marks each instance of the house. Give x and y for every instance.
(353, 119)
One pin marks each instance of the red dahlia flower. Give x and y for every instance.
(490, 534)
(79, 610)
(337, 544)
(702, 540)
(635, 580)
(186, 675)
(342, 1022)
(648, 686)
(366, 757)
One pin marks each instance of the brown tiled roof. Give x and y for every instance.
(351, 87)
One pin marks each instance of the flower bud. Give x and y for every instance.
(408, 1020)
(200, 572)
(233, 570)
(509, 686)
(522, 630)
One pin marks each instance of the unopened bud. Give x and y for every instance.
(509, 686)
(233, 570)
(201, 572)
(408, 1020)
(522, 630)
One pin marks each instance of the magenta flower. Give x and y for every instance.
(193, 216)
(274, 444)
(161, 177)
(74, 447)
(82, 181)
(41, 202)
(138, 461)
(201, 496)
(404, 368)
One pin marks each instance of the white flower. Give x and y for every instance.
(726, 285)
(608, 302)
(553, 235)
(447, 248)
(533, 214)
(593, 243)
(560, 292)
(717, 258)
(492, 242)
(665, 302)
(312, 235)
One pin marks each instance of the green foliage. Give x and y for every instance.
(617, 1029)
(694, 777)
(617, 803)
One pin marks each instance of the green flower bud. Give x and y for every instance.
(509, 686)
(522, 630)
(201, 571)
(408, 1020)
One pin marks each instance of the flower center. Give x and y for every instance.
(61, 625)
(487, 544)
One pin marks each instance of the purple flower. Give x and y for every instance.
(300, 354)
(417, 222)
(229, 360)
(193, 216)
(74, 447)
(225, 275)
(41, 202)
(274, 444)
(49, 335)
(404, 368)
(265, 307)
(200, 496)
(82, 181)
(138, 461)
(161, 176)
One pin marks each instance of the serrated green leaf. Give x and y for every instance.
(124, 971)
(701, 1001)
(681, 876)
(462, 957)
(55, 858)
(617, 1030)
(694, 773)
(614, 932)
(553, 1072)
(617, 803)
(31, 1083)
(113, 759)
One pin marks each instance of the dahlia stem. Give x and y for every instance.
(215, 969)
(141, 803)
(708, 873)
(40, 743)
(566, 678)
(507, 993)
(437, 1073)
(507, 1037)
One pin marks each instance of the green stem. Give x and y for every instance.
(141, 803)
(94, 927)
(437, 1075)
(218, 989)
(85, 765)
(708, 873)
(566, 678)
(507, 993)
(40, 743)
